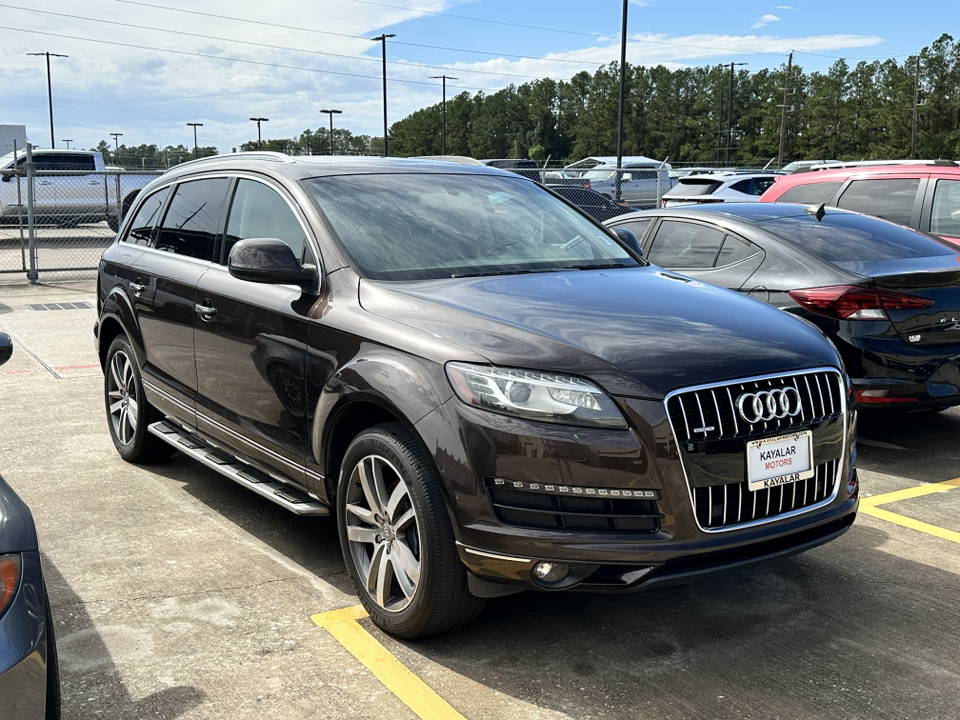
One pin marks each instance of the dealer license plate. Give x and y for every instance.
(779, 460)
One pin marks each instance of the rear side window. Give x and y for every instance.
(761, 185)
(734, 250)
(141, 229)
(811, 193)
(259, 211)
(685, 245)
(637, 227)
(945, 219)
(743, 186)
(891, 199)
(192, 221)
(840, 237)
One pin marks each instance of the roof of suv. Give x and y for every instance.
(786, 182)
(306, 166)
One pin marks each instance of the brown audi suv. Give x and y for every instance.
(489, 390)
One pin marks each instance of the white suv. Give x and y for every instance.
(718, 187)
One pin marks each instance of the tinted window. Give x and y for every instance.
(760, 185)
(945, 219)
(891, 199)
(734, 250)
(193, 219)
(844, 236)
(742, 186)
(418, 226)
(258, 211)
(811, 193)
(692, 186)
(141, 229)
(685, 245)
(59, 161)
(637, 227)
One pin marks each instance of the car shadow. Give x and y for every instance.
(89, 679)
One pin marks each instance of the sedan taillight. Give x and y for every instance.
(849, 302)
(9, 579)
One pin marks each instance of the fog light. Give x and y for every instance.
(550, 572)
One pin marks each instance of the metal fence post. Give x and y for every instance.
(23, 247)
(31, 223)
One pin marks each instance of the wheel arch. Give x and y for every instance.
(117, 318)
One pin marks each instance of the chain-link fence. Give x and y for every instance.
(56, 223)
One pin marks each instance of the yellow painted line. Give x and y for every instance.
(411, 690)
(909, 493)
(911, 523)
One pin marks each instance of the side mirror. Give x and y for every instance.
(629, 239)
(6, 347)
(270, 261)
(6, 177)
(627, 177)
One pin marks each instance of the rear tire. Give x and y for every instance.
(128, 412)
(396, 537)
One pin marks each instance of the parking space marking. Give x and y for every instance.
(409, 689)
(869, 506)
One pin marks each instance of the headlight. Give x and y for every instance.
(535, 395)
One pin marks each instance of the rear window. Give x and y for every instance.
(811, 193)
(841, 237)
(692, 186)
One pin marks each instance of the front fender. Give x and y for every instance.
(407, 387)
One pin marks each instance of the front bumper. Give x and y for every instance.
(474, 450)
(24, 647)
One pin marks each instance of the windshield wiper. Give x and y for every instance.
(597, 266)
(496, 272)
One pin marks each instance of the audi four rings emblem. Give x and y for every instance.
(769, 404)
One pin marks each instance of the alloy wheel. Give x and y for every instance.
(122, 397)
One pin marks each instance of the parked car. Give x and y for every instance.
(29, 672)
(678, 173)
(717, 188)
(526, 168)
(554, 178)
(642, 180)
(599, 207)
(72, 186)
(799, 165)
(486, 388)
(922, 196)
(887, 296)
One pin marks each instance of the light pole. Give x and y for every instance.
(916, 98)
(50, 90)
(195, 126)
(331, 113)
(116, 144)
(730, 113)
(444, 78)
(383, 39)
(623, 85)
(258, 121)
(68, 143)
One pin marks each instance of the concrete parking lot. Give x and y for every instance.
(177, 594)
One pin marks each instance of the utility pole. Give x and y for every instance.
(916, 98)
(116, 145)
(68, 143)
(720, 125)
(331, 113)
(195, 126)
(444, 78)
(49, 55)
(383, 39)
(726, 156)
(785, 108)
(623, 85)
(259, 120)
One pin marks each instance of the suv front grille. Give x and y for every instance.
(545, 511)
(711, 413)
(725, 505)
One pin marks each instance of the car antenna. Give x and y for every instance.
(817, 211)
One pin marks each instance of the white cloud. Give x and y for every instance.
(643, 3)
(784, 7)
(764, 20)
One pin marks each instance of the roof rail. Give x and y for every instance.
(256, 154)
(875, 163)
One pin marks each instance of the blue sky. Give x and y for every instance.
(147, 67)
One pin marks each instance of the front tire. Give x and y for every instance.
(396, 537)
(128, 412)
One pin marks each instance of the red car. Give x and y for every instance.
(925, 197)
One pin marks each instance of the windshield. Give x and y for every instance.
(844, 236)
(425, 226)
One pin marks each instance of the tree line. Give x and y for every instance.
(862, 112)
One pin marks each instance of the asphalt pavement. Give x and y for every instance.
(177, 594)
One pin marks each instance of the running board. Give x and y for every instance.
(286, 496)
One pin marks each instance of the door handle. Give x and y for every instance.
(44, 182)
(206, 313)
(93, 182)
(137, 288)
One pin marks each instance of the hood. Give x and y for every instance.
(636, 331)
(17, 531)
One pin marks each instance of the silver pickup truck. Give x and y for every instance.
(70, 187)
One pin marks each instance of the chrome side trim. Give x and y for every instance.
(167, 396)
(267, 451)
(494, 556)
(842, 462)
